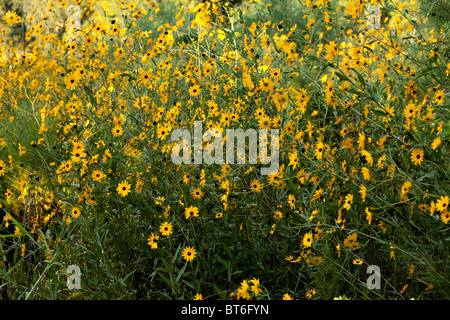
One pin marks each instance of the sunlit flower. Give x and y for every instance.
(152, 241)
(417, 156)
(256, 186)
(188, 254)
(287, 296)
(351, 241)
(11, 18)
(124, 188)
(2, 168)
(166, 228)
(307, 240)
(191, 211)
(348, 201)
(198, 296)
(442, 203)
(197, 193)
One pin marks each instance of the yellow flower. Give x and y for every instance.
(189, 254)
(256, 186)
(382, 226)
(436, 143)
(367, 157)
(165, 228)
(363, 191)
(71, 81)
(307, 240)
(405, 187)
(368, 215)
(442, 204)
(352, 241)
(2, 168)
(255, 287)
(124, 188)
(160, 200)
(291, 201)
(97, 175)
(17, 230)
(8, 194)
(355, 8)
(432, 207)
(331, 50)
(11, 18)
(439, 97)
(445, 216)
(410, 110)
(404, 289)
(417, 156)
(152, 241)
(198, 296)
(197, 193)
(191, 211)
(77, 154)
(366, 173)
(22, 150)
(162, 132)
(278, 215)
(186, 178)
(76, 213)
(195, 90)
(348, 201)
(117, 131)
(293, 159)
(132, 6)
(6, 218)
(266, 84)
(242, 291)
(310, 293)
(287, 296)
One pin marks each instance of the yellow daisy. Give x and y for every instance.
(123, 188)
(188, 254)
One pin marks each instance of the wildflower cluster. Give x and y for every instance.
(87, 110)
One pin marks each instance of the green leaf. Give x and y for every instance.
(180, 274)
(11, 235)
(176, 254)
(129, 76)
(168, 266)
(190, 285)
(375, 96)
(224, 262)
(227, 250)
(165, 279)
(342, 76)
(428, 175)
(447, 128)
(379, 113)
(90, 94)
(360, 78)
(22, 229)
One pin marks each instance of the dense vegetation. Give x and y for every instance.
(90, 92)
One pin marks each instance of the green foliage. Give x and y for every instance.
(87, 179)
